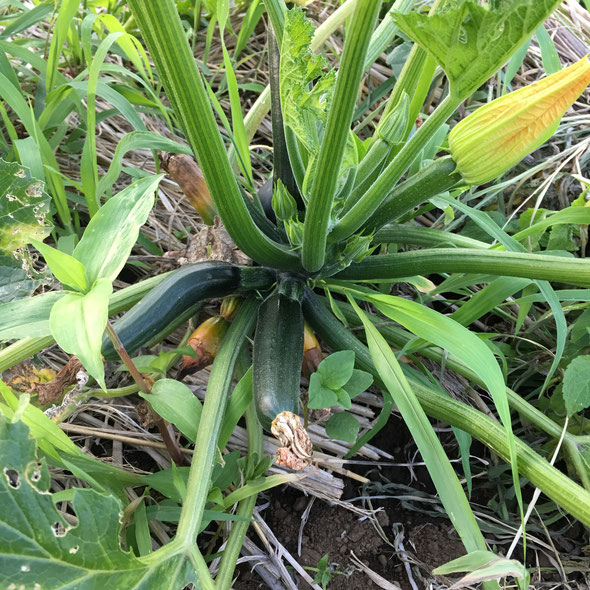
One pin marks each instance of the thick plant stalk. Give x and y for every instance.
(337, 131)
(383, 186)
(161, 28)
(245, 509)
(436, 178)
(424, 236)
(573, 271)
(554, 484)
(211, 418)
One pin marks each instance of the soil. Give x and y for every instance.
(339, 532)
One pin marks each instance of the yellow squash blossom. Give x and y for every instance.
(498, 135)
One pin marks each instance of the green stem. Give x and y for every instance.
(336, 135)
(162, 30)
(261, 107)
(245, 509)
(424, 236)
(218, 390)
(383, 186)
(436, 178)
(573, 271)
(557, 486)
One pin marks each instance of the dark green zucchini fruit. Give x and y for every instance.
(177, 293)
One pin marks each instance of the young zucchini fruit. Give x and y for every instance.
(278, 352)
(178, 292)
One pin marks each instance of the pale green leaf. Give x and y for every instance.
(358, 383)
(176, 403)
(336, 370)
(24, 207)
(320, 396)
(343, 426)
(66, 269)
(27, 318)
(471, 41)
(576, 385)
(440, 469)
(45, 548)
(112, 232)
(78, 322)
(303, 107)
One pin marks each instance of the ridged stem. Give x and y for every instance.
(162, 30)
(424, 236)
(383, 186)
(218, 390)
(432, 180)
(574, 271)
(336, 134)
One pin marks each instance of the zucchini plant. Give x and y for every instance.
(335, 230)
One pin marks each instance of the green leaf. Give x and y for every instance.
(24, 207)
(358, 383)
(336, 370)
(343, 426)
(576, 385)
(77, 323)
(303, 107)
(320, 396)
(176, 403)
(343, 399)
(66, 269)
(113, 231)
(470, 41)
(45, 548)
(443, 475)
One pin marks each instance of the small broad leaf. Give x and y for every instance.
(343, 399)
(359, 382)
(66, 269)
(24, 207)
(320, 396)
(77, 323)
(336, 370)
(113, 231)
(176, 403)
(576, 385)
(45, 550)
(470, 41)
(343, 426)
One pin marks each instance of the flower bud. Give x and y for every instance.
(283, 203)
(498, 135)
(186, 172)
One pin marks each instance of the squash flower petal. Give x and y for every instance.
(498, 135)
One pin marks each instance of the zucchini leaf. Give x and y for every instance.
(45, 546)
(306, 91)
(471, 42)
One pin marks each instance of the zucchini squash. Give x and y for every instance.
(278, 352)
(277, 356)
(178, 292)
